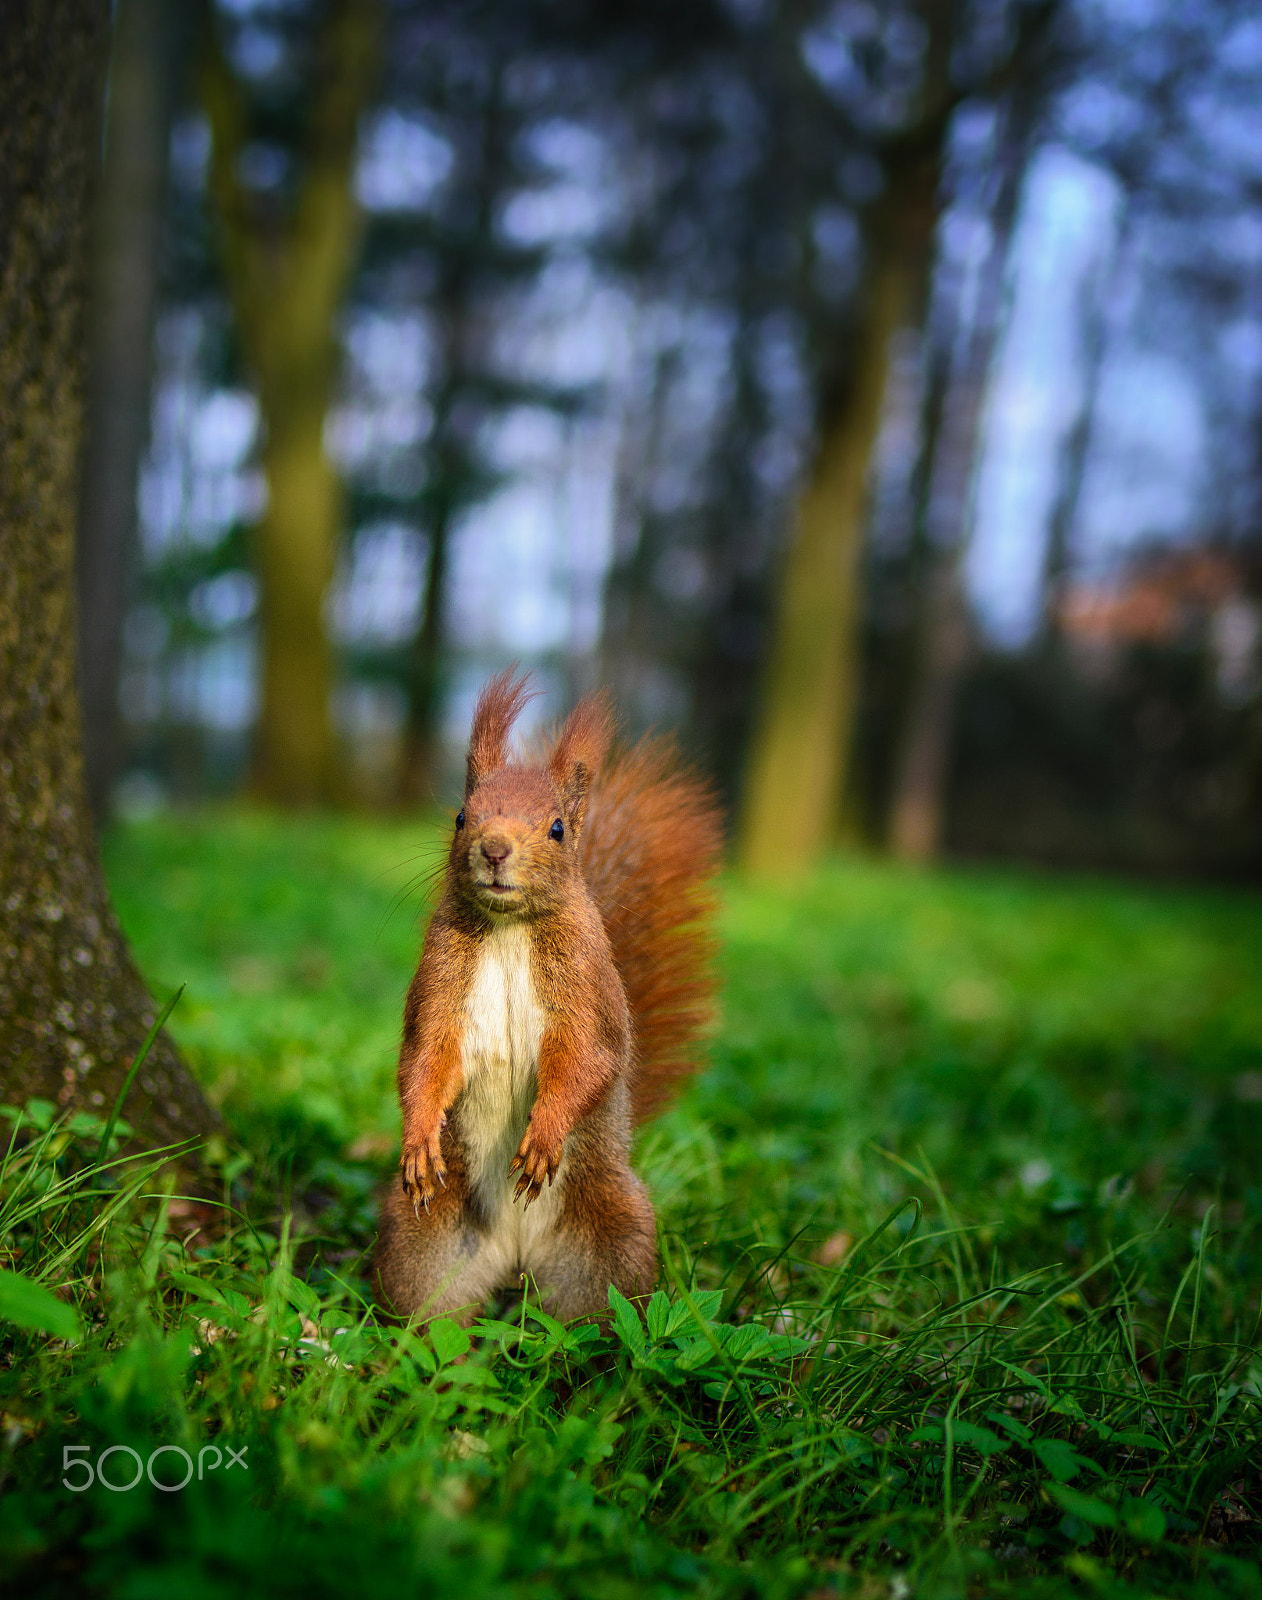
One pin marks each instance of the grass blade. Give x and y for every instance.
(135, 1067)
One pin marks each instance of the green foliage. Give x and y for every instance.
(28, 1304)
(960, 1266)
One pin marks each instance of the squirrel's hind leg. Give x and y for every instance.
(605, 1234)
(433, 1262)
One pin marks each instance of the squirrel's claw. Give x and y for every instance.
(536, 1164)
(530, 1188)
(420, 1168)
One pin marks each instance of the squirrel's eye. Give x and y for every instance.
(557, 830)
(459, 819)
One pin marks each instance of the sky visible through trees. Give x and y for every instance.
(612, 265)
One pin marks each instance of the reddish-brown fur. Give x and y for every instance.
(610, 922)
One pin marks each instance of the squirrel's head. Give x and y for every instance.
(514, 852)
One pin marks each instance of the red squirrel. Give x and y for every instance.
(562, 990)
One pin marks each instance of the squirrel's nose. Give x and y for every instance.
(496, 848)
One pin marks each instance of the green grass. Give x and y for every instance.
(961, 1245)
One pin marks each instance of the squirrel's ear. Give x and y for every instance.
(580, 751)
(499, 705)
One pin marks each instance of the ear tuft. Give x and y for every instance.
(499, 705)
(580, 751)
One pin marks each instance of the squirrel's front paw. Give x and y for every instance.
(537, 1158)
(421, 1168)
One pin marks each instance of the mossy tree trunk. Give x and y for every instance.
(797, 766)
(287, 270)
(73, 1009)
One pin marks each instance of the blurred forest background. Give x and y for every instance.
(872, 391)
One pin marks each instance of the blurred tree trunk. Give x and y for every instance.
(73, 1009)
(916, 814)
(453, 467)
(1073, 462)
(287, 271)
(952, 428)
(630, 640)
(125, 268)
(796, 772)
(418, 759)
(723, 664)
(951, 440)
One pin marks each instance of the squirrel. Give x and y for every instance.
(563, 987)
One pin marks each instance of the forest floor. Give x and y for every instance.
(962, 1252)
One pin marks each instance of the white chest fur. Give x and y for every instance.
(503, 1028)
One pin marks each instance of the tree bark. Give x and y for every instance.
(287, 275)
(125, 251)
(797, 766)
(73, 1009)
(953, 421)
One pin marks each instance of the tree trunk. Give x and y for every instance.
(951, 433)
(951, 437)
(73, 1009)
(1097, 335)
(126, 240)
(418, 764)
(420, 747)
(953, 421)
(452, 458)
(797, 765)
(916, 816)
(295, 760)
(287, 275)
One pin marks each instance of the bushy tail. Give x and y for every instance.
(651, 848)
